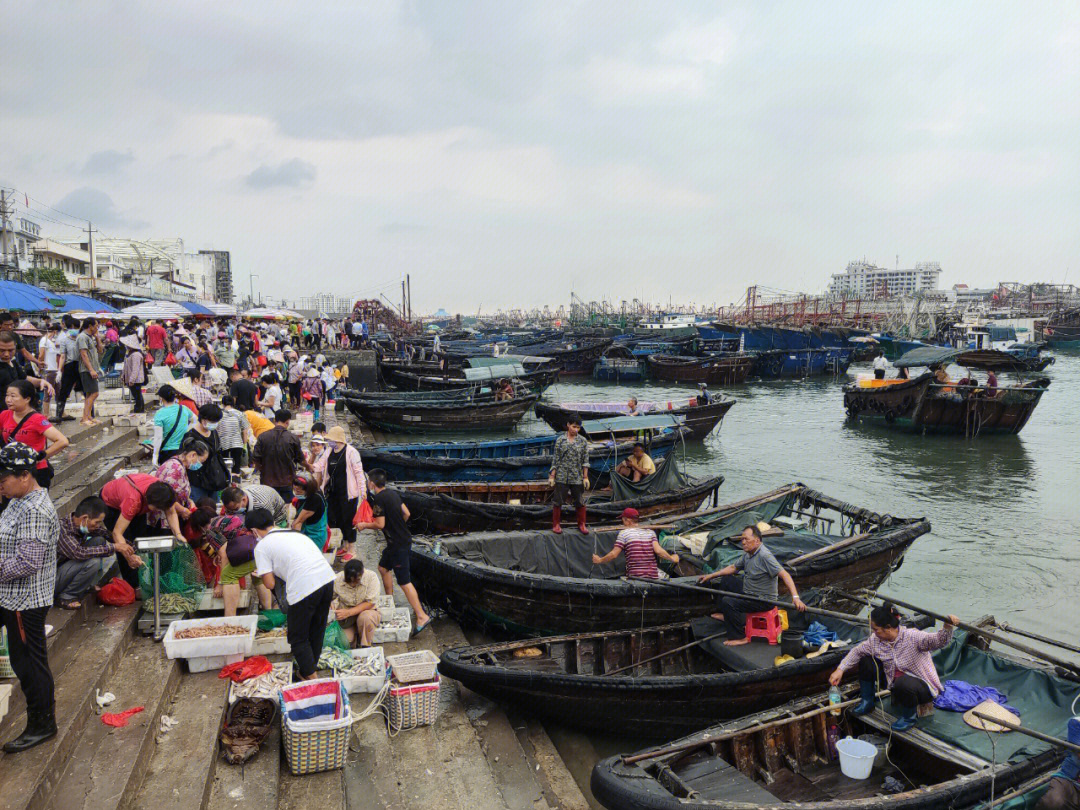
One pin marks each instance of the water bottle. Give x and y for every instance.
(834, 700)
(832, 737)
(437, 548)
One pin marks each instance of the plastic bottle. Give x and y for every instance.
(832, 736)
(834, 700)
(437, 548)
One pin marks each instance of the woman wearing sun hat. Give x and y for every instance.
(340, 473)
(133, 374)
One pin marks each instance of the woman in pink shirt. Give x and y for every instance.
(900, 658)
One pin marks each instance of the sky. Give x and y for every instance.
(508, 154)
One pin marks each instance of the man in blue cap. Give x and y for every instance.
(1064, 790)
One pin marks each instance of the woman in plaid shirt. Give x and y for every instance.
(900, 658)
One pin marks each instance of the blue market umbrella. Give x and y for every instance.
(84, 303)
(25, 297)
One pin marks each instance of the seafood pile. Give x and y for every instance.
(364, 667)
(396, 621)
(333, 658)
(212, 631)
(263, 686)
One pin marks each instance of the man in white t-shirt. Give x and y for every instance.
(309, 585)
(51, 354)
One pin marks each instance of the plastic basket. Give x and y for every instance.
(312, 746)
(412, 705)
(413, 667)
(5, 662)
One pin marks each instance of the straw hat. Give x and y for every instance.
(337, 434)
(994, 710)
(131, 341)
(313, 372)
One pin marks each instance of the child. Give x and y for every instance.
(310, 510)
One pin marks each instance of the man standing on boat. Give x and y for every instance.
(880, 364)
(570, 471)
(760, 572)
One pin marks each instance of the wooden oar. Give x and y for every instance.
(1024, 648)
(1038, 735)
(839, 544)
(847, 617)
(1020, 790)
(665, 654)
(1028, 634)
(734, 507)
(727, 735)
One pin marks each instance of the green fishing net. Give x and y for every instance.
(269, 619)
(181, 580)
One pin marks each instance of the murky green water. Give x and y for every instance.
(1005, 510)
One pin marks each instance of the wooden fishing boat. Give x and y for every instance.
(541, 583)
(455, 379)
(454, 507)
(1002, 360)
(525, 459)
(781, 757)
(781, 363)
(720, 369)
(577, 356)
(618, 364)
(700, 419)
(923, 405)
(398, 415)
(652, 682)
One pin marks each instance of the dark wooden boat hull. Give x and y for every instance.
(578, 360)
(451, 508)
(921, 406)
(654, 703)
(700, 419)
(537, 381)
(730, 370)
(451, 417)
(538, 604)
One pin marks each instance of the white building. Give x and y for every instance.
(865, 280)
(963, 294)
(50, 255)
(160, 266)
(17, 236)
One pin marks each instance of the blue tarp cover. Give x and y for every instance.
(196, 309)
(619, 423)
(76, 303)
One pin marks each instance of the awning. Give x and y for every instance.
(926, 356)
(196, 309)
(164, 310)
(617, 424)
(24, 297)
(273, 314)
(84, 303)
(221, 310)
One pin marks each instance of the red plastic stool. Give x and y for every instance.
(764, 625)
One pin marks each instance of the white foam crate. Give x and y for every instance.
(274, 645)
(286, 666)
(208, 662)
(384, 602)
(365, 683)
(5, 699)
(213, 646)
(385, 635)
(207, 600)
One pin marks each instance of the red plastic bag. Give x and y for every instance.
(242, 670)
(170, 359)
(119, 720)
(364, 514)
(117, 593)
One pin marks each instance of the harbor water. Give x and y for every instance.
(1005, 510)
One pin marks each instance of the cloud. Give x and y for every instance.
(707, 44)
(292, 173)
(98, 207)
(108, 161)
(402, 228)
(624, 82)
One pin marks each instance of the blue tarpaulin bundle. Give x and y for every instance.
(959, 696)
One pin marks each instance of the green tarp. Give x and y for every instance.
(926, 356)
(1043, 700)
(667, 477)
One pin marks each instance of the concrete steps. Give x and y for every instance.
(80, 667)
(73, 462)
(107, 765)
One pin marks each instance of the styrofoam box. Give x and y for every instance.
(5, 698)
(207, 601)
(365, 683)
(384, 602)
(287, 666)
(384, 635)
(206, 663)
(274, 645)
(213, 646)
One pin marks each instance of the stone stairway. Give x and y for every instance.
(473, 757)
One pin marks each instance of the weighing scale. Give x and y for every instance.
(155, 547)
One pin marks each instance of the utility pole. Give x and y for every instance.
(408, 286)
(90, 249)
(403, 301)
(6, 234)
(251, 287)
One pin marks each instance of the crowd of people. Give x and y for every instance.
(228, 407)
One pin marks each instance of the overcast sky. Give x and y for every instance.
(508, 153)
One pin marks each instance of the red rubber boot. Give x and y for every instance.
(556, 518)
(581, 520)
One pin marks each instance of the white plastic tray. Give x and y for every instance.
(275, 645)
(205, 663)
(213, 646)
(384, 602)
(207, 600)
(365, 683)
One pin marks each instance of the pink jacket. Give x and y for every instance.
(354, 472)
(910, 654)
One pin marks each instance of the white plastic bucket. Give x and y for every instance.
(856, 757)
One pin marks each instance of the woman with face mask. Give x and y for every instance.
(175, 472)
(340, 474)
(310, 510)
(209, 479)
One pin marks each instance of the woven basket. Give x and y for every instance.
(412, 705)
(314, 747)
(413, 667)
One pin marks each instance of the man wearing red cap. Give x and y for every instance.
(641, 547)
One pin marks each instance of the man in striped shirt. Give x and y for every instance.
(234, 430)
(250, 497)
(640, 546)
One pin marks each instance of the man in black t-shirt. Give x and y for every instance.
(243, 391)
(390, 516)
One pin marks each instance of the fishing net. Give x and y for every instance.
(181, 581)
(269, 619)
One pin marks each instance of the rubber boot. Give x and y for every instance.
(40, 726)
(581, 520)
(906, 719)
(867, 690)
(556, 519)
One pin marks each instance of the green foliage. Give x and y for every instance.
(52, 278)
